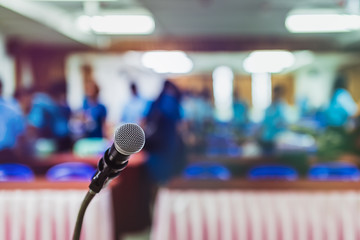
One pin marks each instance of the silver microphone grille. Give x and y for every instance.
(129, 139)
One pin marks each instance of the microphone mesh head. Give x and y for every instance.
(129, 139)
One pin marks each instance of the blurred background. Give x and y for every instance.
(250, 110)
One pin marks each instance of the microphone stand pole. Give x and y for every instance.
(89, 196)
(100, 179)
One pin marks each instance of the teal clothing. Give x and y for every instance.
(275, 121)
(49, 117)
(341, 107)
(240, 110)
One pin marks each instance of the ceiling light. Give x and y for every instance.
(117, 24)
(167, 61)
(83, 23)
(321, 21)
(271, 61)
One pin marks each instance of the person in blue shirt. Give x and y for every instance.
(337, 140)
(12, 126)
(136, 108)
(49, 115)
(163, 142)
(341, 106)
(240, 118)
(275, 120)
(9, 101)
(94, 112)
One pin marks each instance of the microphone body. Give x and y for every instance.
(129, 139)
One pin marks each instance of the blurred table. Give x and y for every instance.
(43, 210)
(238, 209)
(41, 165)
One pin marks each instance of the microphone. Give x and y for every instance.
(129, 139)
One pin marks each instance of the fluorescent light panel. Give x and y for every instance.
(117, 24)
(321, 21)
(268, 61)
(167, 61)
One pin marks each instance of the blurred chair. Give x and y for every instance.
(73, 171)
(334, 171)
(273, 172)
(207, 171)
(15, 172)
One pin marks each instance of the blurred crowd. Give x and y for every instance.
(178, 123)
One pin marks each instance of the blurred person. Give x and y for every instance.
(204, 119)
(24, 98)
(136, 108)
(342, 106)
(337, 140)
(197, 112)
(94, 112)
(12, 126)
(275, 120)
(164, 144)
(240, 118)
(188, 104)
(50, 114)
(240, 110)
(23, 106)
(204, 109)
(9, 101)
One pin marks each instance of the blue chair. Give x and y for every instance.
(273, 172)
(73, 171)
(207, 171)
(334, 171)
(14, 172)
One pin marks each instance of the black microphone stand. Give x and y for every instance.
(107, 170)
(89, 196)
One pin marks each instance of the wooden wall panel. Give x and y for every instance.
(242, 85)
(195, 83)
(213, 44)
(242, 88)
(353, 75)
(47, 63)
(47, 67)
(287, 81)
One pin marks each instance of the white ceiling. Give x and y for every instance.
(17, 26)
(52, 22)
